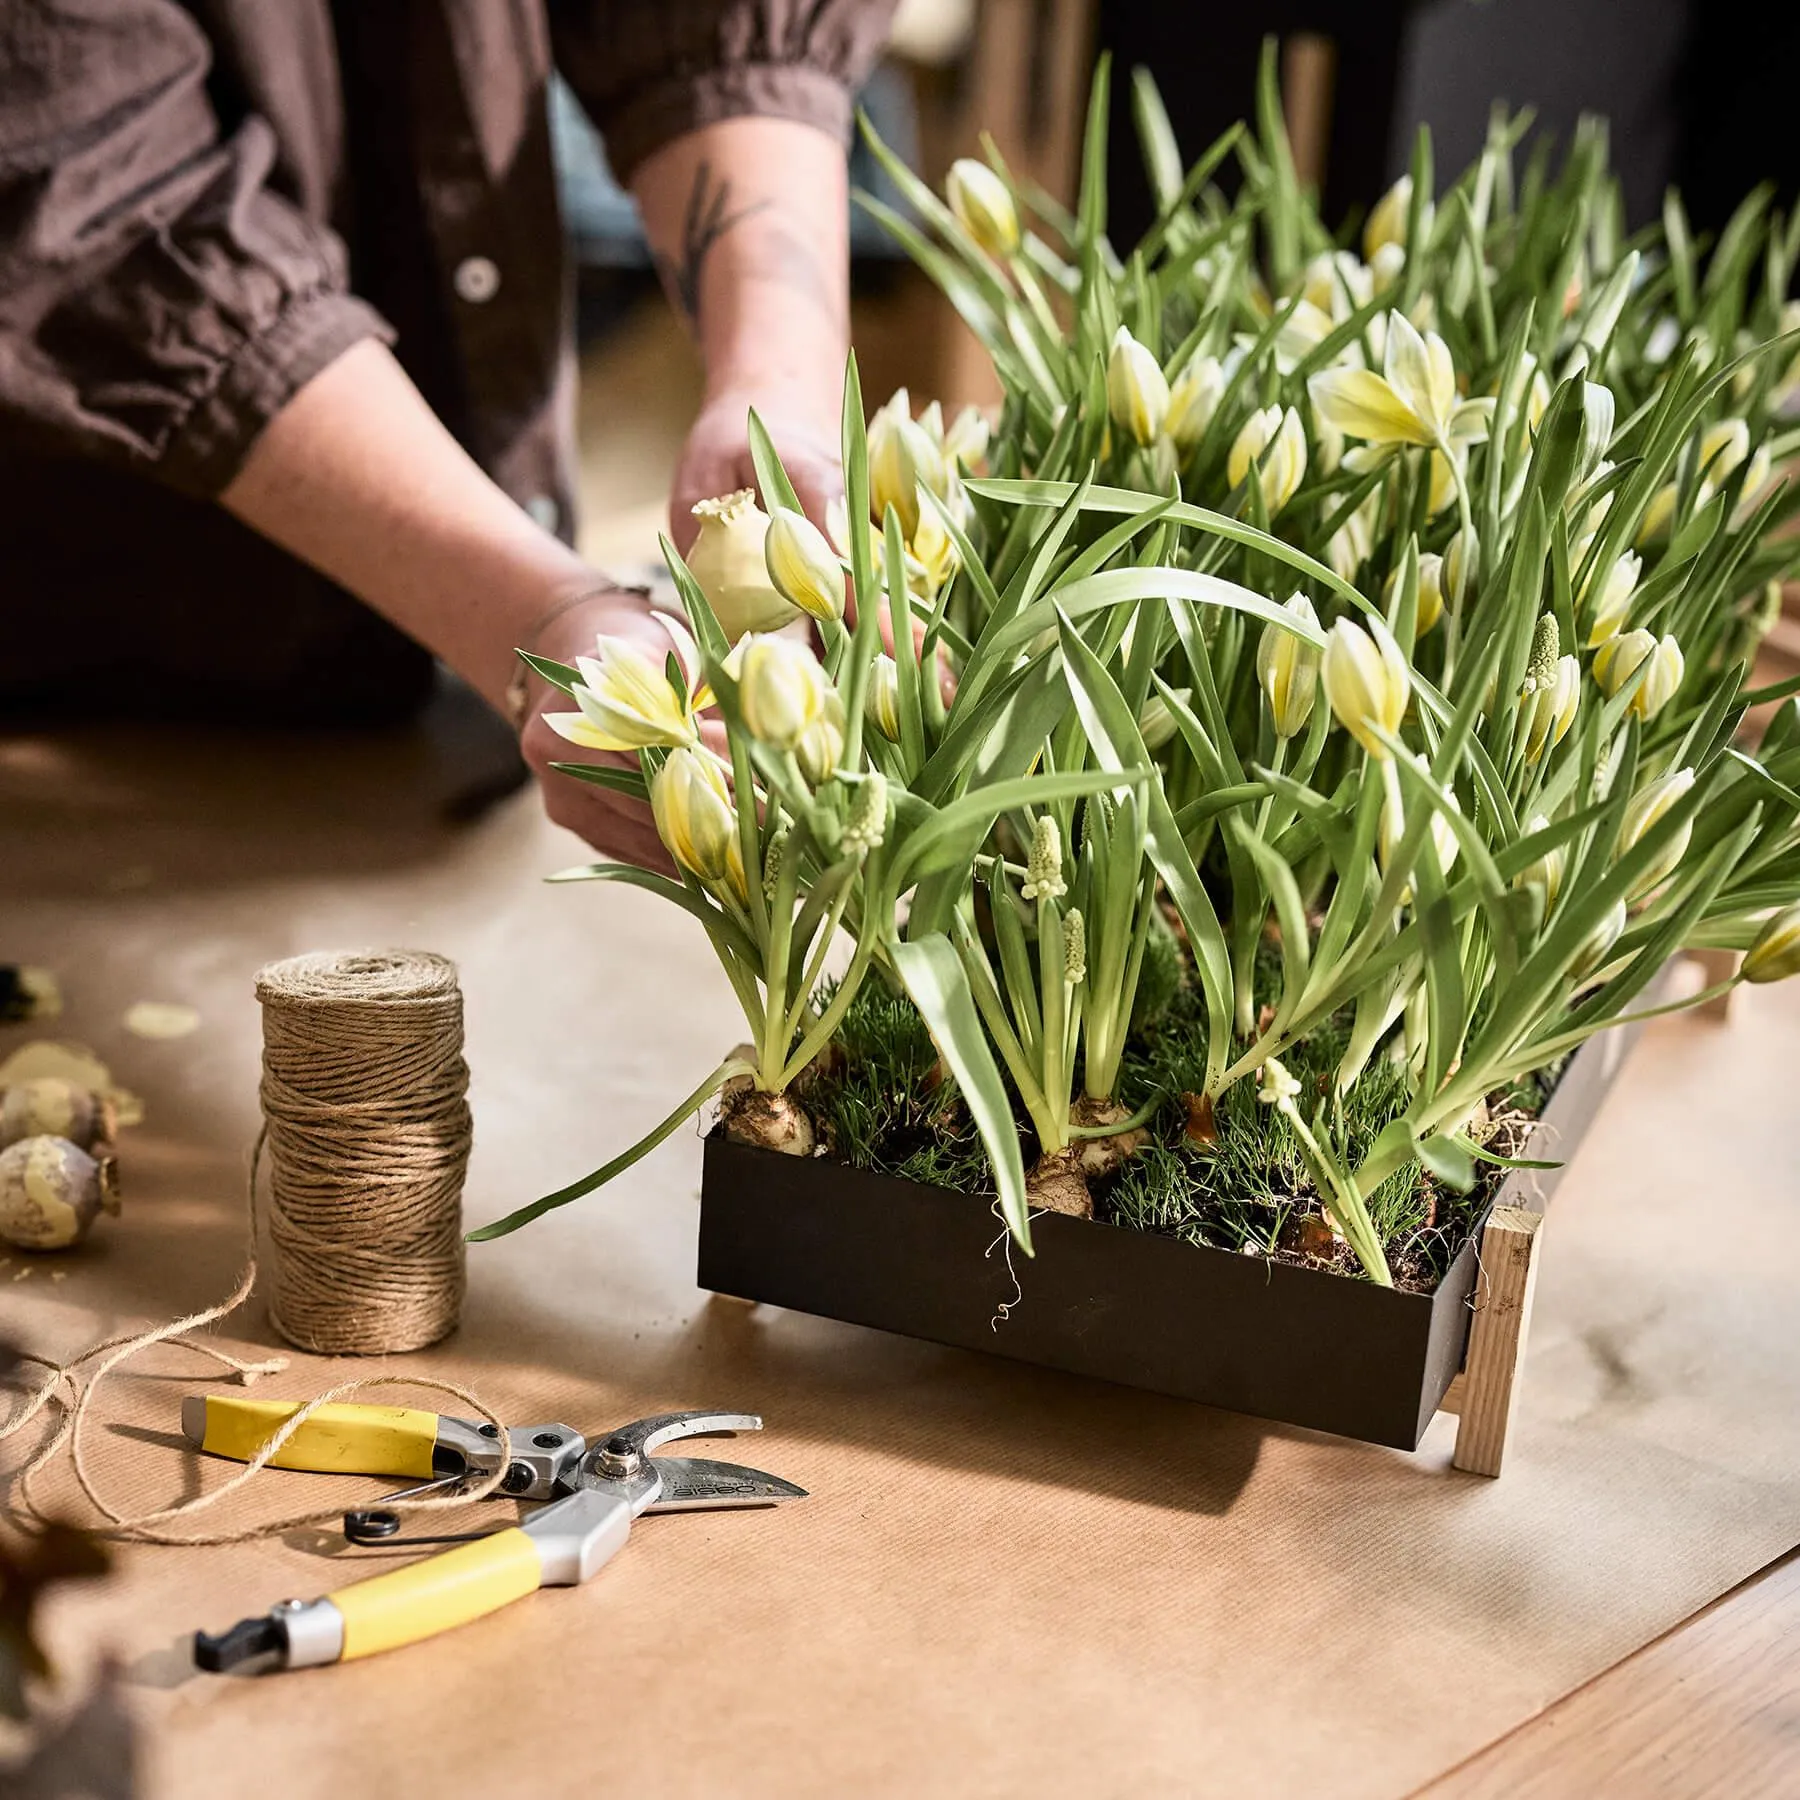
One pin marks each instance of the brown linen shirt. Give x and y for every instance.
(205, 202)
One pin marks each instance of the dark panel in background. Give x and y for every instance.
(1696, 95)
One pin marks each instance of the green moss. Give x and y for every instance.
(883, 1102)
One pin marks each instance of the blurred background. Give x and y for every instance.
(1702, 111)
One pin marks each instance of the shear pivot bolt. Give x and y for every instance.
(618, 1457)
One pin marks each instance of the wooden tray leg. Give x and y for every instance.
(1485, 1394)
(1716, 966)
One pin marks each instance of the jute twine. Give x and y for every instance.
(363, 1092)
(399, 1288)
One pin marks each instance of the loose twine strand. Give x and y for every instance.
(387, 1297)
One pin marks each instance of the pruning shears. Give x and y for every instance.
(594, 1493)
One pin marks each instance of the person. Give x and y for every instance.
(285, 357)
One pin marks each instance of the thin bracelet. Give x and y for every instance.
(518, 689)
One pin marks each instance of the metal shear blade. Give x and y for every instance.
(699, 1484)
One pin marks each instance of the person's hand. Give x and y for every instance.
(614, 824)
(716, 458)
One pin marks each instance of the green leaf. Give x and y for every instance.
(1113, 733)
(558, 674)
(1450, 1159)
(1198, 518)
(771, 477)
(692, 1104)
(934, 977)
(719, 926)
(608, 775)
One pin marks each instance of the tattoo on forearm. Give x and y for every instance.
(709, 217)
(777, 254)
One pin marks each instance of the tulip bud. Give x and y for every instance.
(983, 206)
(1613, 607)
(782, 691)
(1388, 221)
(1756, 479)
(1431, 590)
(1349, 546)
(1667, 667)
(1385, 269)
(1598, 943)
(1337, 282)
(882, 705)
(821, 744)
(1722, 448)
(966, 441)
(1287, 670)
(1598, 409)
(727, 561)
(1659, 514)
(1392, 829)
(692, 809)
(1156, 723)
(932, 551)
(1137, 393)
(1619, 658)
(1538, 695)
(866, 827)
(903, 457)
(1276, 442)
(1546, 874)
(1193, 400)
(803, 566)
(1367, 681)
(1043, 866)
(1553, 707)
(1776, 953)
(1647, 807)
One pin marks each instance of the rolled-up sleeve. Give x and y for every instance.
(159, 304)
(648, 73)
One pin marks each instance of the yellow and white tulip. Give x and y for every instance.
(1193, 399)
(625, 697)
(1647, 808)
(1287, 670)
(1137, 392)
(1619, 658)
(983, 206)
(695, 818)
(803, 566)
(1776, 953)
(1367, 681)
(1612, 608)
(1275, 440)
(782, 691)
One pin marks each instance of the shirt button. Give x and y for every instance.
(477, 280)
(543, 508)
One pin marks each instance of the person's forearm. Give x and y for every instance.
(356, 476)
(749, 223)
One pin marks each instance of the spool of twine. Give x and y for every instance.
(364, 1096)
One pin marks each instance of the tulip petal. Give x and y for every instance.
(1471, 421)
(580, 730)
(1361, 404)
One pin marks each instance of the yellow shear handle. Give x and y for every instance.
(336, 1440)
(425, 1598)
